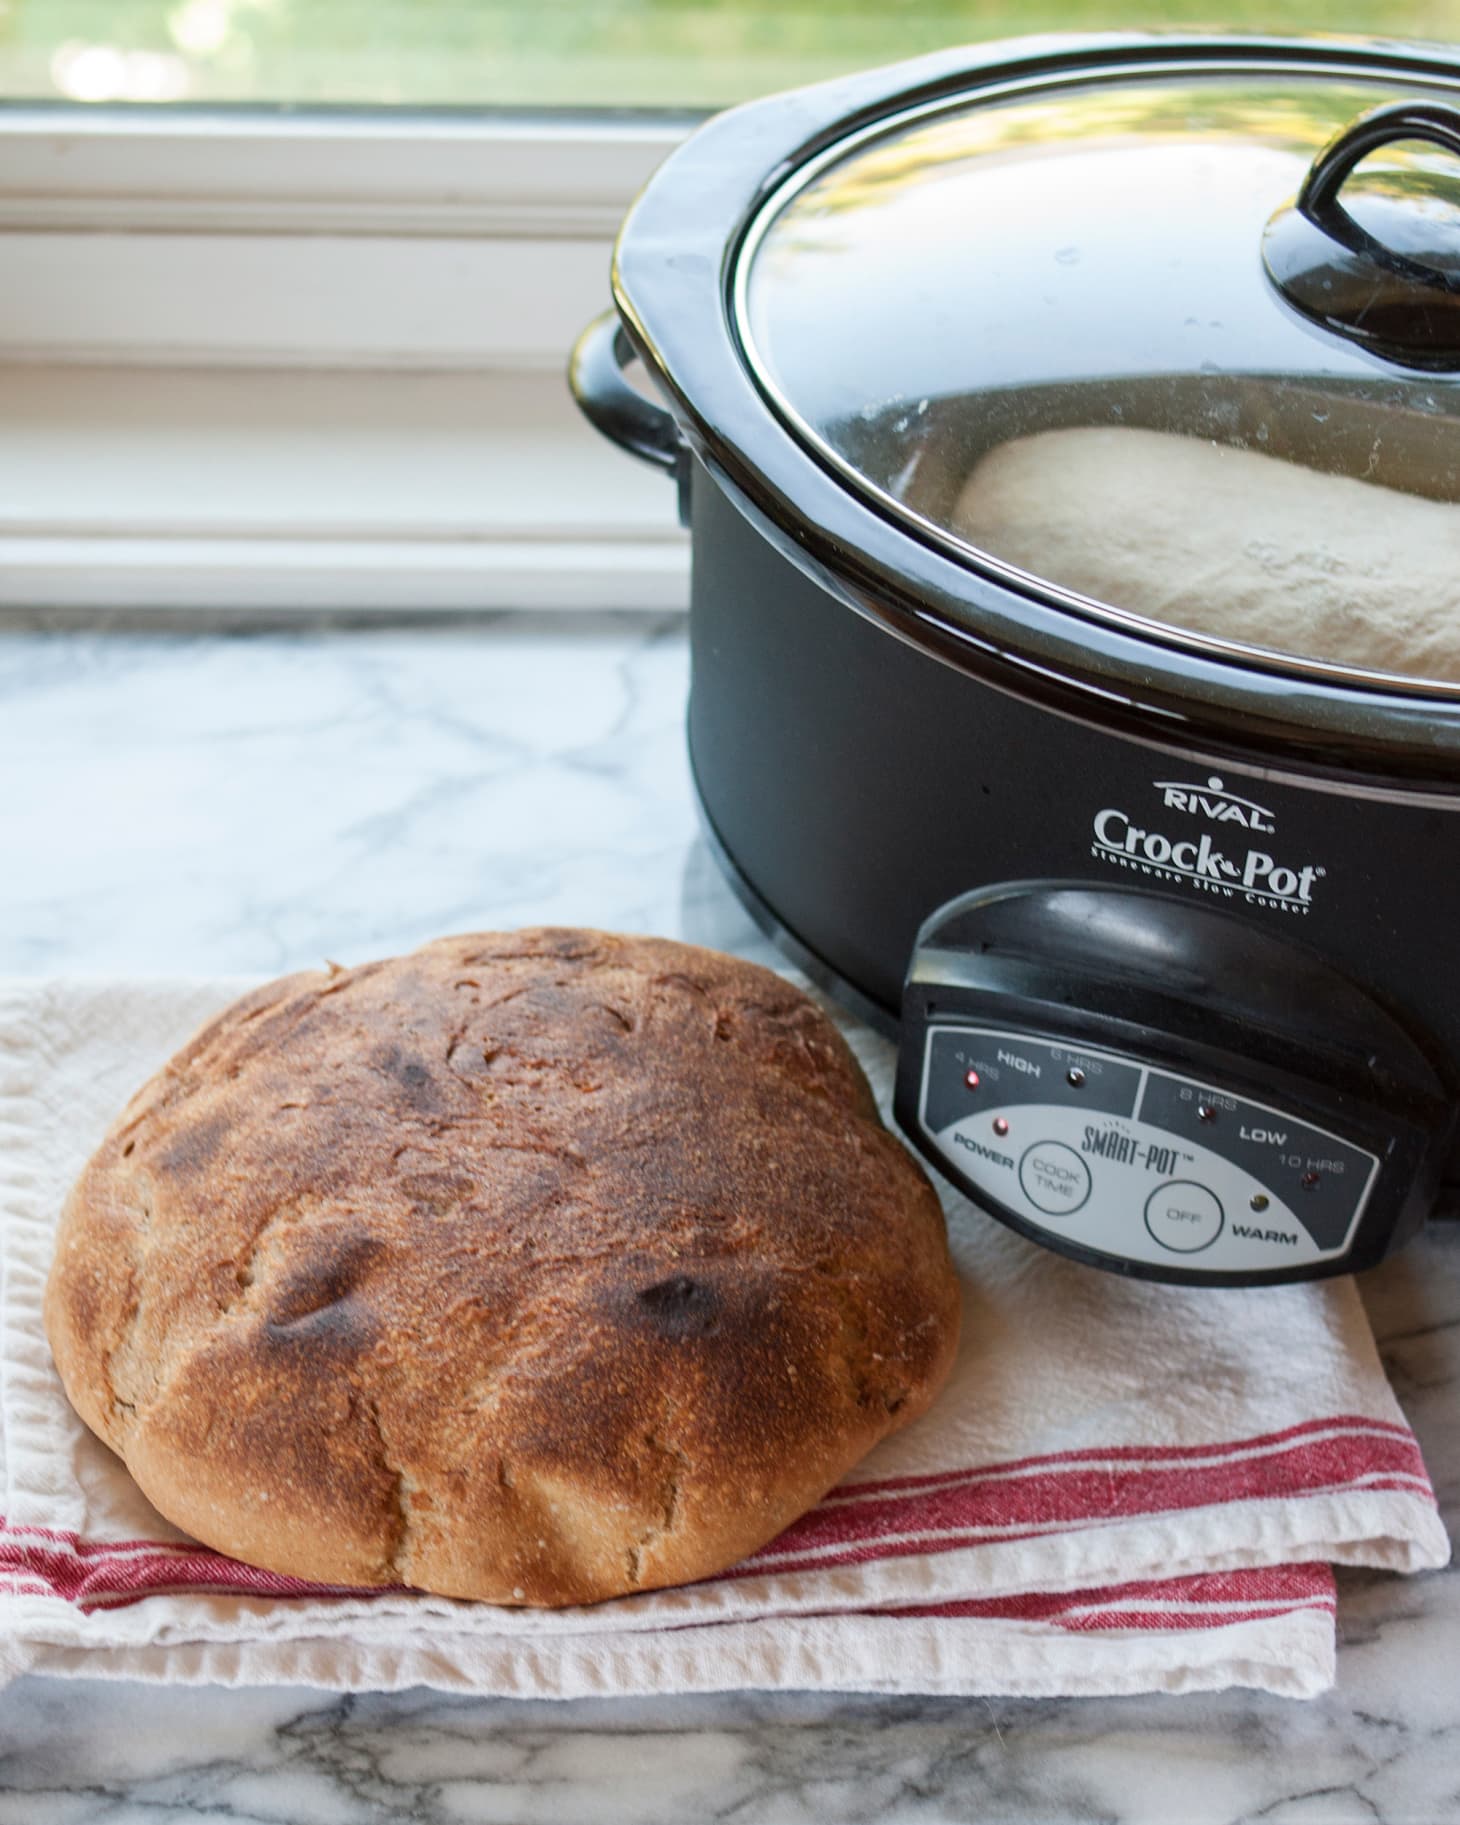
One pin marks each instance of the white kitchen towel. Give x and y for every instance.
(1125, 1487)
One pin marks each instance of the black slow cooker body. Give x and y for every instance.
(852, 784)
(855, 784)
(1055, 849)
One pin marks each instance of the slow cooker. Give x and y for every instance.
(1069, 435)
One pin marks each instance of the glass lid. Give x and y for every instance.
(1178, 350)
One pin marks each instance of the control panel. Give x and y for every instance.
(1166, 1090)
(1120, 1158)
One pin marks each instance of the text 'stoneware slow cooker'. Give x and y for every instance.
(1070, 437)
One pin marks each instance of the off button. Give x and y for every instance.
(1184, 1217)
(1055, 1179)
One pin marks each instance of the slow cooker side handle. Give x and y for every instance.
(619, 411)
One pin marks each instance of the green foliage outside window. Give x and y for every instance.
(567, 53)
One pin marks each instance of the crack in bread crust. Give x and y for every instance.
(536, 1268)
(676, 1464)
(398, 1523)
(120, 1349)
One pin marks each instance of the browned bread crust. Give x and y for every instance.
(538, 1268)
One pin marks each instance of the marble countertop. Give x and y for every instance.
(205, 803)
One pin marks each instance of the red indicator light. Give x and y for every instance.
(1000, 1125)
(1311, 1180)
(972, 1079)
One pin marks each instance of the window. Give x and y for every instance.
(274, 357)
(564, 53)
(263, 362)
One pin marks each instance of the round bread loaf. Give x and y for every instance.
(538, 1268)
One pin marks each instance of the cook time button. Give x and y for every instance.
(1183, 1216)
(1054, 1177)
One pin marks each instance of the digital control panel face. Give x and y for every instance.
(1111, 1154)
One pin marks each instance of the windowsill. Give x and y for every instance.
(173, 489)
(278, 363)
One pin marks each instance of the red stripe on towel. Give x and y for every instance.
(859, 1523)
(1203, 1600)
(1097, 1487)
(90, 1573)
(1342, 1422)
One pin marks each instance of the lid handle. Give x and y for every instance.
(1388, 285)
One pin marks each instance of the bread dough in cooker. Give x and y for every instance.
(1228, 542)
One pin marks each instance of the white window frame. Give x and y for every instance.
(271, 361)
